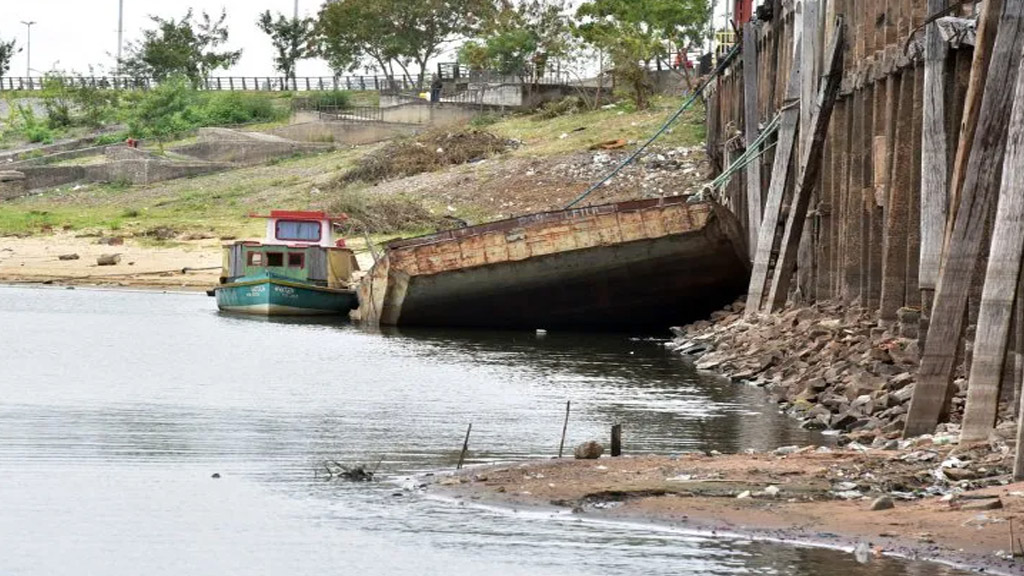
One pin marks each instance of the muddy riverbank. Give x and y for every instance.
(809, 496)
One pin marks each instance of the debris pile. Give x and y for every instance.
(427, 152)
(831, 366)
(662, 172)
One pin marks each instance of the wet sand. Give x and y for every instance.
(188, 265)
(700, 492)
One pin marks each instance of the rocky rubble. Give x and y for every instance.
(831, 366)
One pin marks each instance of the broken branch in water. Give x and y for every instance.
(357, 473)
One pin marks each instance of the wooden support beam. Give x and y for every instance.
(991, 340)
(964, 246)
(807, 176)
(776, 190)
(894, 264)
(810, 24)
(934, 154)
(750, 120)
(913, 291)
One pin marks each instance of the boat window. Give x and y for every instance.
(296, 260)
(298, 231)
(255, 259)
(275, 259)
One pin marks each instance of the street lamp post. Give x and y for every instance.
(120, 33)
(28, 49)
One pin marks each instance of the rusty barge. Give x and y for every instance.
(623, 266)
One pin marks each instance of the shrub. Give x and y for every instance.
(330, 99)
(33, 129)
(382, 213)
(226, 108)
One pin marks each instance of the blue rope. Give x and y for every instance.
(672, 119)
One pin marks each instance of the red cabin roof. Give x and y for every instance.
(300, 215)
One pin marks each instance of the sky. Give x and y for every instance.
(72, 35)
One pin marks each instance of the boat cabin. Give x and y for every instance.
(299, 245)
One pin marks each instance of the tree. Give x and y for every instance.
(393, 33)
(180, 48)
(636, 32)
(291, 37)
(7, 52)
(520, 39)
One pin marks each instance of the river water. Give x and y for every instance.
(116, 408)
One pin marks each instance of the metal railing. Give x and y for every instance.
(222, 83)
(355, 114)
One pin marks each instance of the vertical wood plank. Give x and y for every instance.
(1001, 281)
(750, 120)
(981, 184)
(807, 176)
(934, 154)
(780, 175)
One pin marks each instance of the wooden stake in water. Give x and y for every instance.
(565, 426)
(465, 447)
(616, 440)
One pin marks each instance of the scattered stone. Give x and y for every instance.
(994, 504)
(215, 475)
(108, 260)
(743, 495)
(111, 241)
(588, 451)
(66, 257)
(883, 503)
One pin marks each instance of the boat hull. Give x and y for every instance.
(637, 265)
(273, 297)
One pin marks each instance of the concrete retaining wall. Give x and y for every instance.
(247, 152)
(142, 171)
(344, 133)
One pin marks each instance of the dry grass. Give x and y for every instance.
(427, 152)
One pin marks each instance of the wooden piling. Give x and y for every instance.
(750, 95)
(807, 176)
(565, 427)
(465, 447)
(964, 245)
(616, 440)
(934, 155)
(992, 338)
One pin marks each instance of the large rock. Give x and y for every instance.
(588, 451)
(108, 259)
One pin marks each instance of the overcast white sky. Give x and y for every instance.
(76, 34)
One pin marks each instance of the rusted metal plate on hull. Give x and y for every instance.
(600, 266)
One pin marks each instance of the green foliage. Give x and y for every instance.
(33, 129)
(519, 39)
(636, 32)
(393, 33)
(180, 48)
(174, 107)
(227, 108)
(67, 104)
(7, 51)
(292, 39)
(382, 213)
(330, 99)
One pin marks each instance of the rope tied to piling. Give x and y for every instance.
(671, 120)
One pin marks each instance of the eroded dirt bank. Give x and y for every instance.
(810, 495)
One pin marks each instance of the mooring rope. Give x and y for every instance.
(755, 150)
(672, 119)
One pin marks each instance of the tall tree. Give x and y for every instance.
(181, 48)
(394, 33)
(292, 39)
(7, 52)
(635, 33)
(520, 39)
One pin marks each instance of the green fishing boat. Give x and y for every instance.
(298, 270)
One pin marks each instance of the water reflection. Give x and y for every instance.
(118, 407)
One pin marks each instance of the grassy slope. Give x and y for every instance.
(218, 203)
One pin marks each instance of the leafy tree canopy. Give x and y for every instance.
(181, 48)
(519, 39)
(636, 32)
(7, 52)
(390, 34)
(292, 39)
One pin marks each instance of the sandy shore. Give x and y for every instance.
(190, 265)
(183, 265)
(787, 498)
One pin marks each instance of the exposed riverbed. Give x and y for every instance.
(117, 407)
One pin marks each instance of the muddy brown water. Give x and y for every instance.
(116, 408)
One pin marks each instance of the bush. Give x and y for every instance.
(331, 99)
(33, 129)
(226, 108)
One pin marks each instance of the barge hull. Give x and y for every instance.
(635, 265)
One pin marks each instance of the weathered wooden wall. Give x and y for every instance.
(907, 195)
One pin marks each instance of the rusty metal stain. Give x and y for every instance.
(631, 226)
(608, 229)
(495, 248)
(654, 225)
(472, 251)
